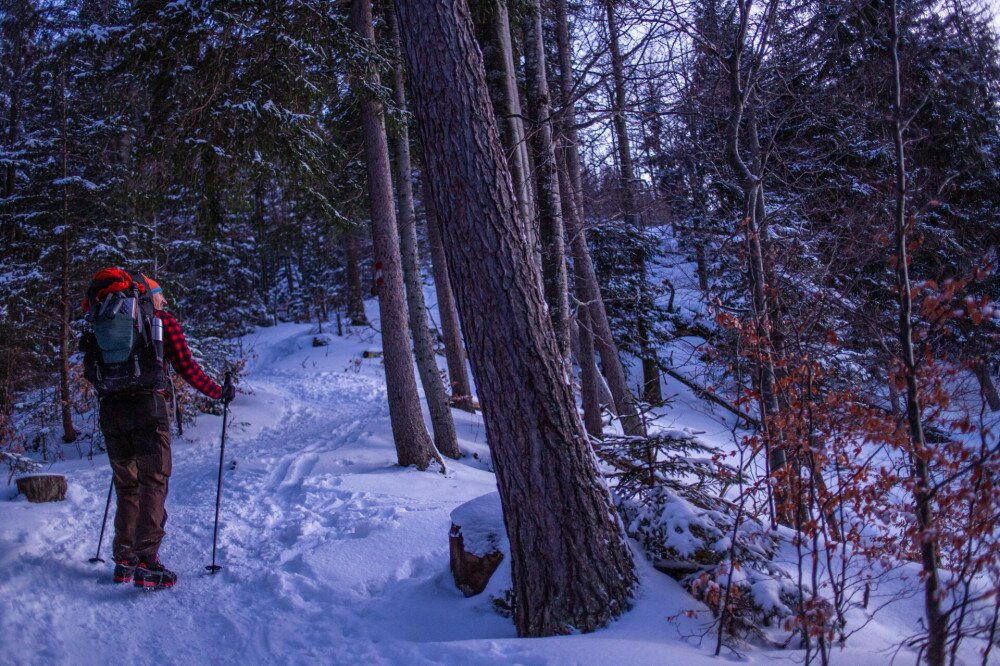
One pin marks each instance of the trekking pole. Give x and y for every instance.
(213, 567)
(177, 408)
(100, 541)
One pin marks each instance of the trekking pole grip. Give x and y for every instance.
(226, 383)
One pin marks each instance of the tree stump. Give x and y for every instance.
(476, 543)
(43, 487)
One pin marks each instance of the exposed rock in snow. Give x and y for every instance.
(322, 340)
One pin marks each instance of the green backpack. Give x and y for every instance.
(116, 326)
(123, 345)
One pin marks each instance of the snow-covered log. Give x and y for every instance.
(476, 542)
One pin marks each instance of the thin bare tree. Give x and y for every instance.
(937, 622)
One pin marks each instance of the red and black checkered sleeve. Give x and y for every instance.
(177, 352)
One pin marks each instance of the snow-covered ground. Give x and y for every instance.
(332, 554)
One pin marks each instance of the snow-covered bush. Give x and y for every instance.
(669, 494)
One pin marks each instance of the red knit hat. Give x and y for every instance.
(109, 280)
(155, 288)
(104, 282)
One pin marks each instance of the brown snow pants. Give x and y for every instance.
(137, 432)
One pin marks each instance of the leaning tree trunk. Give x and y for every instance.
(550, 220)
(413, 444)
(588, 290)
(571, 566)
(454, 348)
(650, 365)
(442, 423)
(590, 390)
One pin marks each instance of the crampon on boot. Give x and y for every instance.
(124, 567)
(149, 574)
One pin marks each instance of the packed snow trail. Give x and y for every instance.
(331, 553)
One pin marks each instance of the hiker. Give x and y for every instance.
(125, 356)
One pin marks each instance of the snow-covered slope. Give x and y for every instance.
(331, 553)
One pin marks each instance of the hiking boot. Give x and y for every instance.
(152, 575)
(124, 568)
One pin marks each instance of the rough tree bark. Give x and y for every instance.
(571, 566)
(650, 366)
(588, 290)
(937, 622)
(442, 423)
(454, 348)
(550, 219)
(413, 444)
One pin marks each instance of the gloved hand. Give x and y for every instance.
(228, 390)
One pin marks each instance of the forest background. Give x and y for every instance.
(826, 174)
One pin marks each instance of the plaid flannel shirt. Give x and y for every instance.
(176, 351)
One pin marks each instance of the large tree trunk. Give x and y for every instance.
(650, 364)
(571, 566)
(588, 290)
(937, 622)
(443, 425)
(413, 444)
(550, 219)
(454, 348)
